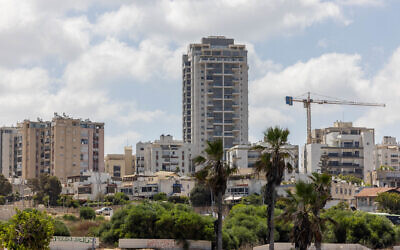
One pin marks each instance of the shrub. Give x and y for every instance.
(87, 213)
(359, 227)
(30, 229)
(160, 197)
(69, 217)
(157, 220)
(2, 200)
(60, 229)
(178, 199)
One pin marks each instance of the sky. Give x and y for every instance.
(119, 62)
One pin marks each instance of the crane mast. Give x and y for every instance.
(307, 105)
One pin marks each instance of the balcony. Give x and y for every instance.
(228, 97)
(228, 134)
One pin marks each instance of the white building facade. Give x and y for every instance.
(165, 154)
(215, 93)
(244, 156)
(345, 150)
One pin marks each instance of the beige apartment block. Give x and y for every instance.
(215, 93)
(119, 165)
(387, 153)
(62, 147)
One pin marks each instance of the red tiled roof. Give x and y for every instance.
(373, 192)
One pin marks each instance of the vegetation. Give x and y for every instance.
(156, 221)
(5, 186)
(117, 199)
(200, 195)
(389, 202)
(67, 201)
(351, 179)
(386, 168)
(253, 199)
(246, 226)
(60, 229)
(303, 209)
(273, 163)
(215, 174)
(2, 200)
(43, 186)
(359, 227)
(179, 199)
(28, 229)
(87, 213)
(160, 197)
(69, 217)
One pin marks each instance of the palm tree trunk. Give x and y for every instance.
(270, 217)
(219, 231)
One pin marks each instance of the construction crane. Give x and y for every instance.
(307, 105)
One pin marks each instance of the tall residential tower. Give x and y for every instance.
(215, 93)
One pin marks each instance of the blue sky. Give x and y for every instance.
(119, 61)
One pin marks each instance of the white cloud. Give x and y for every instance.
(69, 56)
(361, 2)
(187, 20)
(113, 143)
(336, 75)
(323, 43)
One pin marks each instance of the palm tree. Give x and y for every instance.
(273, 162)
(303, 210)
(322, 186)
(215, 174)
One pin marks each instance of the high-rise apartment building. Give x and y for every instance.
(341, 149)
(10, 152)
(215, 93)
(165, 154)
(62, 147)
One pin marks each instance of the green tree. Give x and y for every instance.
(215, 174)
(200, 195)
(246, 226)
(273, 162)
(322, 188)
(29, 229)
(253, 199)
(46, 185)
(389, 202)
(157, 220)
(67, 201)
(5, 186)
(303, 209)
(160, 197)
(87, 213)
(374, 231)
